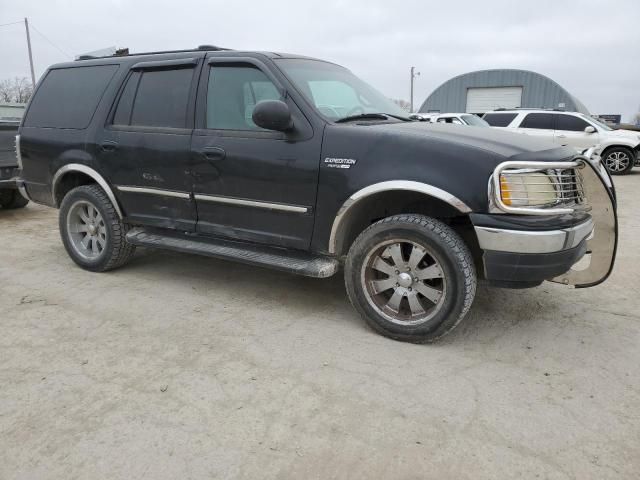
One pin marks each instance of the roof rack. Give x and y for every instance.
(502, 109)
(124, 52)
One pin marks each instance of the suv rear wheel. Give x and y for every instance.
(618, 160)
(92, 232)
(11, 199)
(411, 277)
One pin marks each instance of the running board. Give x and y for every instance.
(286, 260)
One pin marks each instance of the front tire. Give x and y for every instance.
(11, 199)
(411, 277)
(618, 160)
(91, 231)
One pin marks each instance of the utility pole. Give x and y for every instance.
(414, 74)
(33, 75)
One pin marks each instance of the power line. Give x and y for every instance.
(66, 54)
(11, 23)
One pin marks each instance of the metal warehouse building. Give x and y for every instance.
(485, 90)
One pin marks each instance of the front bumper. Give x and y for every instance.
(525, 258)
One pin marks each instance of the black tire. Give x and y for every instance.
(615, 167)
(445, 247)
(116, 251)
(11, 199)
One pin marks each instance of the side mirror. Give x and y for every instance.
(589, 129)
(272, 115)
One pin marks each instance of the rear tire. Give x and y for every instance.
(11, 199)
(91, 231)
(411, 277)
(618, 160)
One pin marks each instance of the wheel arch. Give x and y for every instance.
(72, 175)
(388, 198)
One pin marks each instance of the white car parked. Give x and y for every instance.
(454, 118)
(619, 149)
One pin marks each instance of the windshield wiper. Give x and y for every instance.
(364, 116)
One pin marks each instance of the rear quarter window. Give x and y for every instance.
(68, 97)
(499, 119)
(539, 121)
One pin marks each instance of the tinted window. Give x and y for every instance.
(499, 119)
(568, 122)
(68, 97)
(162, 98)
(538, 120)
(232, 94)
(123, 111)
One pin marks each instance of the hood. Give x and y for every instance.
(628, 134)
(496, 141)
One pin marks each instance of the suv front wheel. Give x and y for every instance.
(618, 160)
(92, 232)
(411, 277)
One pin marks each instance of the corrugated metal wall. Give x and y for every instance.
(538, 91)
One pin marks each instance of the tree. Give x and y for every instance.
(403, 104)
(636, 118)
(17, 89)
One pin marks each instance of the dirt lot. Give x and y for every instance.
(179, 367)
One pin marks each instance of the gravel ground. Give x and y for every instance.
(180, 367)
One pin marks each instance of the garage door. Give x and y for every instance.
(482, 100)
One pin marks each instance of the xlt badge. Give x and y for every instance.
(339, 162)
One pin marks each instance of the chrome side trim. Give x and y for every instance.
(77, 167)
(390, 185)
(251, 203)
(519, 241)
(153, 191)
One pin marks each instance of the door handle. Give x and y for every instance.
(214, 153)
(561, 136)
(108, 146)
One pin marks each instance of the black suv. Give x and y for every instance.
(295, 163)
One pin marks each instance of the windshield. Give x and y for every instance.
(335, 91)
(600, 124)
(475, 121)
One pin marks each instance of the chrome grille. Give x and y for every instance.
(570, 185)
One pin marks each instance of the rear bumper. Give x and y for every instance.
(8, 177)
(525, 258)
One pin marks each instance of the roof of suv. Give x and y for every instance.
(518, 110)
(201, 48)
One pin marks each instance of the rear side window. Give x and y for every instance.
(542, 121)
(162, 98)
(499, 119)
(571, 123)
(68, 97)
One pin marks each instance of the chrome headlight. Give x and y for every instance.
(533, 189)
(538, 188)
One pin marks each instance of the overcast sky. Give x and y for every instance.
(592, 48)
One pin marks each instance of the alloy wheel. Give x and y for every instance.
(617, 161)
(86, 230)
(404, 281)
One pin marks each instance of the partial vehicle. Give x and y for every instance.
(296, 164)
(454, 118)
(10, 197)
(619, 149)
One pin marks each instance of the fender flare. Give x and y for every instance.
(391, 185)
(77, 167)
